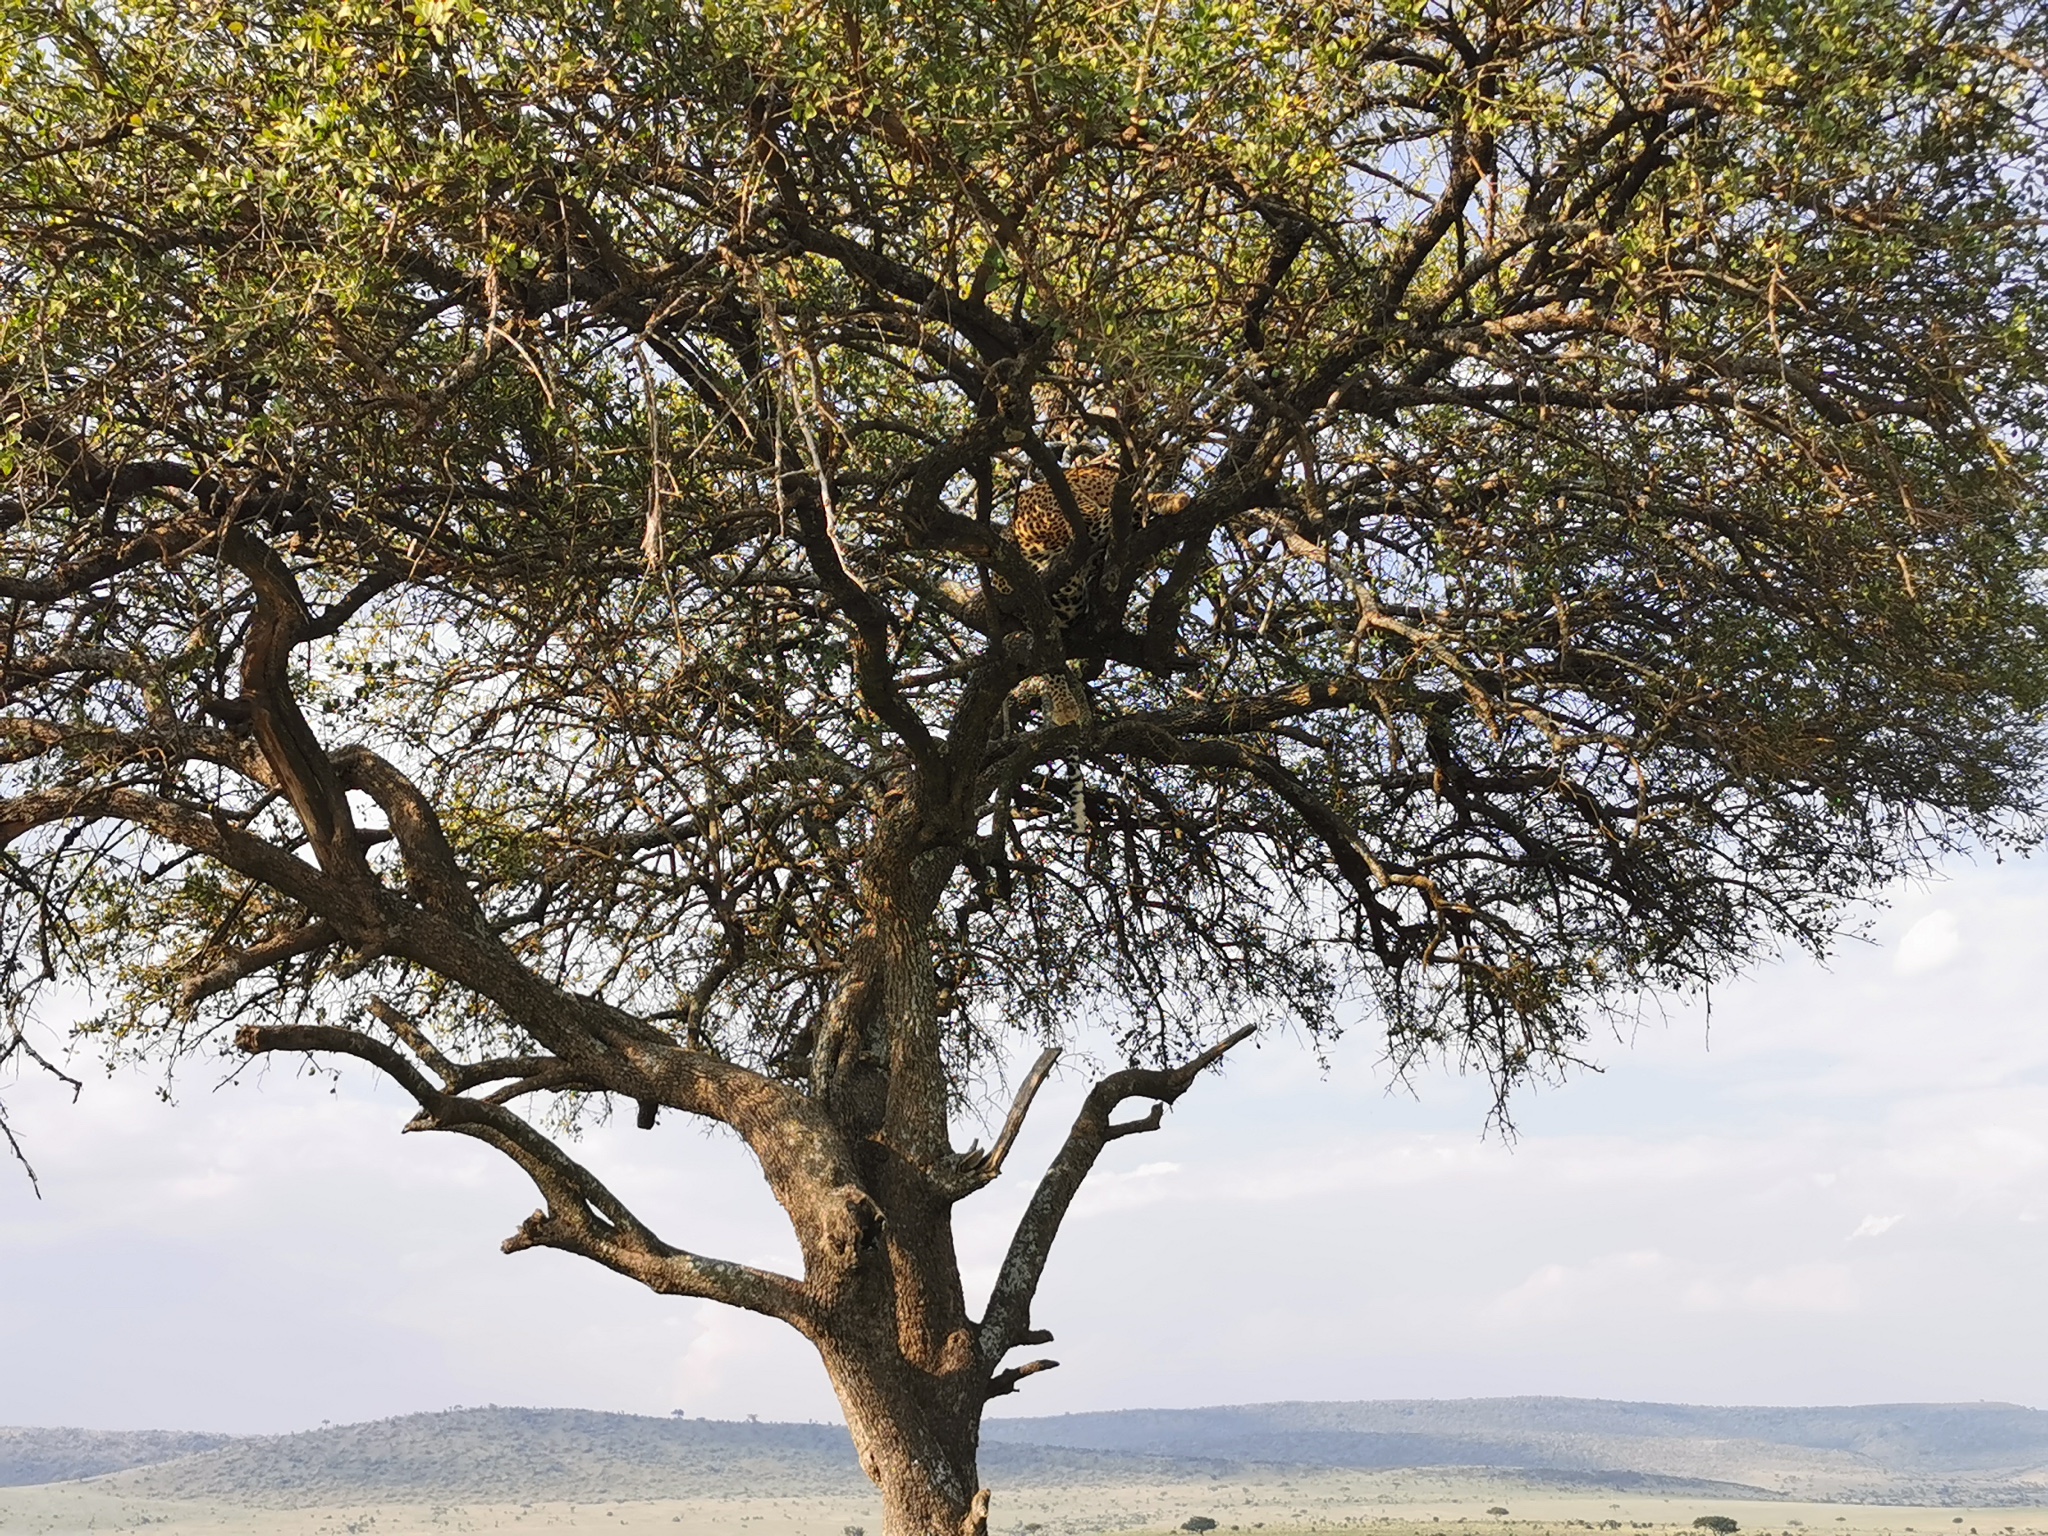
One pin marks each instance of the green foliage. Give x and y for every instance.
(1613, 434)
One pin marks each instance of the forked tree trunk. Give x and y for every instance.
(912, 1370)
(861, 1158)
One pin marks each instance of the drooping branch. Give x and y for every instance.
(579, 1029)
(17, 1044)
(582, 1216)
(1007, 1321)
(803, 1154)
(214, 837)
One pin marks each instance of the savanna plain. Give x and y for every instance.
(1317, 1503)
(1532, 1467)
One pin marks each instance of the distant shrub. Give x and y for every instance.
(1496, 1510)
(1198, 1524)
(855, 1530)
(1720, 1525)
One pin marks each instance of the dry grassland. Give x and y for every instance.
(1275, 1504)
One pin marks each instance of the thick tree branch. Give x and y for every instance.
(433, 877)
(873, 664)
(989, 333)
(1008, 1317)
(211, 835)
(582, 1215)
(239, 967)
(803, 1154)
(1005, 1382)
(294, 753)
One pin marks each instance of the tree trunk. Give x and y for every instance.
(896, 1339)
(916, 1437)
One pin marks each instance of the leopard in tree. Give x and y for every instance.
(1041, 532)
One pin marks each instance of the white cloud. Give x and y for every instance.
(1940, 1147)
(1875, 1226)
(1110, 1189)
(1628, 1289)
(1555, 1291)
(1929, 944)
(1798, 1288)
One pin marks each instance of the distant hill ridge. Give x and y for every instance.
(1952, 1450)
(513, 1453)
(1960, 1453)
(1901, 1437)
(60, 1455)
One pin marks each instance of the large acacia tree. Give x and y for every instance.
(507, 573)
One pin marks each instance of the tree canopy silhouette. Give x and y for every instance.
(759, 559)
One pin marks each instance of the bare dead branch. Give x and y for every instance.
(976, 1168)
(17, 1044)
(1152, 1120)
(1008, 1317)
(1005, 1382)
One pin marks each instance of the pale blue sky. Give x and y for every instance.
(1838, 1194)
